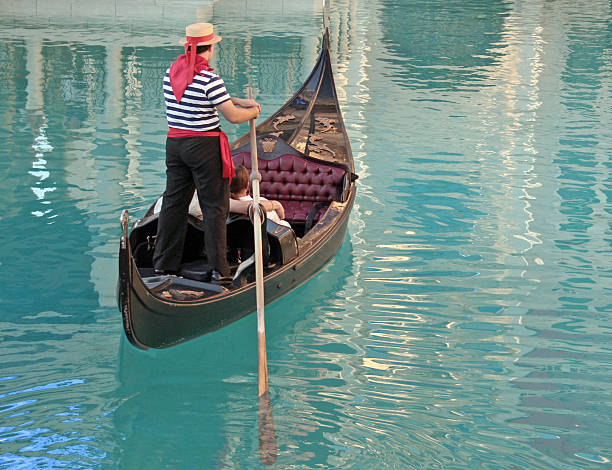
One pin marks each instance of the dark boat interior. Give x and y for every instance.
(305, 188)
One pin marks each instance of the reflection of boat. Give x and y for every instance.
(306, 163)
(148, 415)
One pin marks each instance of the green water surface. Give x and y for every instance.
(465, 321)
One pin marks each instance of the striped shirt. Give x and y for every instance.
(197, 109)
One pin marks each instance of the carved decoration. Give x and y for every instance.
(315, 146)
(281, 119)
(326, 123)
(182, 294)
(268, 144)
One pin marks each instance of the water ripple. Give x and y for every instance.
(465, 321)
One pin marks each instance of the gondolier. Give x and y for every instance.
(197, 152)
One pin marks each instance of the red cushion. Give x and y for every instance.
(297, 183)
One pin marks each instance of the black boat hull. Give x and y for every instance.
(151, 322)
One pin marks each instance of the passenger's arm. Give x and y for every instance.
(237, 110)
(275, 206)
(242, 207)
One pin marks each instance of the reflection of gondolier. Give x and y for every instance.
(197, 152)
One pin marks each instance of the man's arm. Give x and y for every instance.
(237, 110)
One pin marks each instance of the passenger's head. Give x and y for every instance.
(240, 183)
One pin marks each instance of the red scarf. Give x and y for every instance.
(185, 67)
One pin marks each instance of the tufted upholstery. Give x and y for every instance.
(297, 183)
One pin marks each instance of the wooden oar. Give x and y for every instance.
(267, 436)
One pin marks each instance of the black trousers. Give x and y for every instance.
(193, 162)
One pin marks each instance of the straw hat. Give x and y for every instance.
(202, 32)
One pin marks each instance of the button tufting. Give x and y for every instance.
(298, 184)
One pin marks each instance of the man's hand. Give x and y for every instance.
(237, 111)
(246, 103)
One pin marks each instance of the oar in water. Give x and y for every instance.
(267, 436)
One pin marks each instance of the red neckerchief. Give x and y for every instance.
(185, 67)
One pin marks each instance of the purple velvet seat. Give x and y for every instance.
(297, 183)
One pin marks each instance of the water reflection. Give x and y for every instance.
(52, 408)
(441, 45)
(182, 391)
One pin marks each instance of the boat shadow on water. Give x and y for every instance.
(194, 404)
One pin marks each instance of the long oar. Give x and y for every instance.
(267, 436)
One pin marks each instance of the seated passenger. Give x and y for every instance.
(239, 191)
(238, 206)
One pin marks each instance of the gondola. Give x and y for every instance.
(306, 163)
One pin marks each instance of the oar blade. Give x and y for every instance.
(268, 449)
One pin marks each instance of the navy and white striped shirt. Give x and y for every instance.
(197, 109)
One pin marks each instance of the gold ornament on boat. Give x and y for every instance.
(268, 144)
(326, 123)
(182, 294)
(281, 119)
(317, 147)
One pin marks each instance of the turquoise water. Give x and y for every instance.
(464, 323)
